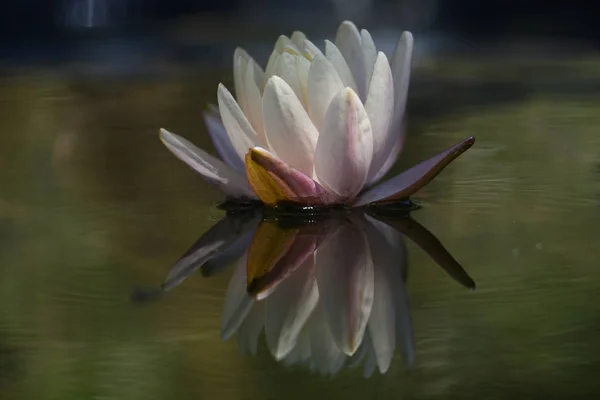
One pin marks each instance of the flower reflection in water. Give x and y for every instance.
(328, 289)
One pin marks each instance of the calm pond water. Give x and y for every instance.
(93, 208)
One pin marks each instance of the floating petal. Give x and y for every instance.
(211, 168)
(413, 179)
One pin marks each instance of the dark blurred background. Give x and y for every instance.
(55, 30)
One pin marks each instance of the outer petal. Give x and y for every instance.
(211, 168)
(345, 279)
(288, 309)
(240, 131)
(274, 181)
(323, 84)
(380, 109)
(345, 147)
(348, 40)
(290, 132)
(338, 61)
(413, 179)
(221, 140)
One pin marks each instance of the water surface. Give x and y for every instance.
(93, 207)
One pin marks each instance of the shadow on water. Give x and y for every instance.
(328, 289)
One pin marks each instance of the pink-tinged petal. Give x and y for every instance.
(413, 179)
(211, 168)
(345, 280)
(345, 147)
(401, 65)
(290, 132)
(380, 109)
(274, 181)
(289, 307)
(221, 140)
(348, 41)
(369, 53)
(338, 61)
(251, 328)
(240, 131)
(237, 302)
(323, 84)
(432, 246)
(392, 157)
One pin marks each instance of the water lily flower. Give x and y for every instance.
(314, 127)
(328, 293)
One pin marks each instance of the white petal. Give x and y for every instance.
(253, 98)
(241, 133)
(211, 168)
(345, 146)
(323, 84)
(290, 133)
(298, 38)
(338, 61)
(302, 69)
(240, 62)
(288, 309)
(286, 70)
(348, 40)
(401, 64)
(237, 302)
(345, 280)
(221, 140)
(310, 50)
(380, 108)
(370, 55)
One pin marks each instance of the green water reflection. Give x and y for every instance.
(93, 206)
